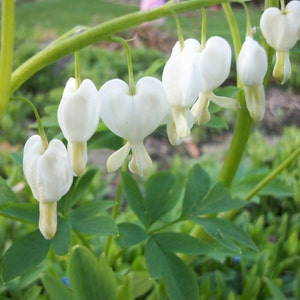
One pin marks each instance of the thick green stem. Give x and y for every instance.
(96, 34)
(7, 48)
(77, 69)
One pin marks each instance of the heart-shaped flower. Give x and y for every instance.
(213, 63)
(132, 117)
(281, 31)
(78, 117)
(181, 81)
(49, 175)
(252, 65)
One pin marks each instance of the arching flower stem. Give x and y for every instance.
(132, 90)
(38, 120)
(77, 70)
(203, 28)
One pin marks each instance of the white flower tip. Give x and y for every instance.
(48, 219)
(78, 157)
(141, 162)
(255, 101)
(200, 110)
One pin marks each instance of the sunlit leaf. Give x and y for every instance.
(55, 289)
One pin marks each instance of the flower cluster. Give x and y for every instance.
(190, 76)
(281, 29)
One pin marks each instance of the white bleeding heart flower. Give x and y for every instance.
(78, 117)
(132, 117)
(281, 28)
(214, 63)
(252, 65)
(181, 81)
(49, 175)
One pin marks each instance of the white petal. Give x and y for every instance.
(255, 101)
(48, 219)
(78, 111)
(133, 117)
(116, 160)
(214, 63)
(252, 62)
(225, 102)
(282, 70)
(54, 174)
(33, 149)
(181, 78)
(279, 30)
(141, 162)
(200, 109)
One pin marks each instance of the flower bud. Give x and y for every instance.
(78, 118)
(280, 28)
(252, 65)
(132, 117)
(181, 81)
(49, 175)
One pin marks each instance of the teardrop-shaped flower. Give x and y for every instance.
(181, 82)
(280, 29)
(78, 118)
(49, 175)
(252, 65)
(214, 63)
(132, 117)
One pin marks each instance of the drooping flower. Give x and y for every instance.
(181, 81)
(49, 175)
(214, 67)
(78, 118)
(132, 117)
(281, 31)
(252, 65)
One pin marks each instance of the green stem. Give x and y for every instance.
(179, 32)
(273, 174)
(203, 29)
(98, 33)
(77, 70)
(6, 55)
(244, 122)
(132, 90)
(248, 20)
(38, 120)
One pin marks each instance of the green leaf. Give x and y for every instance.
(28, 212)
(226, 233)
(24, 254)
(105, 139)
(197, 186)
(182, 243)
(125, 290)
(161, 195)
(229, 91)
(98, 225)
(130, 234)
(216, 122)
(217, 200)
(134, 196)
(274, 289)
(141, 283)
(179, 280)
(88, 278)
(78, 189)
(92, 208)
(55, 289)
(7, 195)
(62, 239)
